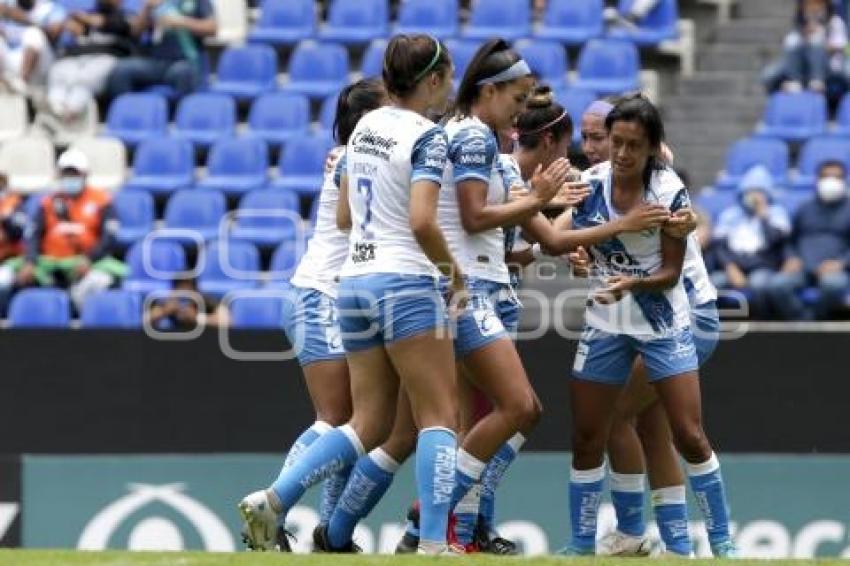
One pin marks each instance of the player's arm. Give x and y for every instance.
(666, 277)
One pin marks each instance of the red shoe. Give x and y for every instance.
(451, 537)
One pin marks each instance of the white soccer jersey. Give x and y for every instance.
(390, 149)
(635, 254)
(326, 251)
(695, 277)
(473, 154)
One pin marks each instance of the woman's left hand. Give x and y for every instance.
(615, 287)
(681, 223)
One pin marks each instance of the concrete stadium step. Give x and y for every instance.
(739, 57)
(766, 9)
(709, 111)
(719, 83)
(756, 32)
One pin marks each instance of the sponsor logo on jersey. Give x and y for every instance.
(363, 252)
(369, 142)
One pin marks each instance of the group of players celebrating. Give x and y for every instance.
(404, 308)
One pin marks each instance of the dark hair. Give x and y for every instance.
(640, 110)
(542, 114)
(491, 59)
(353, 102)
(832, 163)
(409, 59)
(800, 18)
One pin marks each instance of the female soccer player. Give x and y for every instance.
(641, 308)
(392, 315)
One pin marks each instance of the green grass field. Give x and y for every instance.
(75, 558)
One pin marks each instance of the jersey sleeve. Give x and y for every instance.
(472, 153)
(509, 170)
(429, 156)
(672, 193)
(339, 168)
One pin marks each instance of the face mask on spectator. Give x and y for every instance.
(831, 189)
(750, 199)
(71, 185)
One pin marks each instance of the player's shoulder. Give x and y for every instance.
(666, 180)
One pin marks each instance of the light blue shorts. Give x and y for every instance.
(381, 308)
(311, 323)
(705, 327)
(481, 323)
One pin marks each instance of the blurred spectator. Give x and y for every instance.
(185, 308)
(819, 253)
(13, 223)
(813, 50)
(71, 237)
(705, 238)
(30, 28)
(100, 37)
(175, 56)
(637, 11)
(750, 238)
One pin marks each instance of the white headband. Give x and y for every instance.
(515, 71)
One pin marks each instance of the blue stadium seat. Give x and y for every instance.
(229, 266)
(547, 59)
(78, 5)
(113, 308)
(327, 114)
(356, 21)
(573, 22)
(284, 263)
(794, 116)
(509, 19)
(438, 18)
(462, 53)
(277, 117)
(816, 151)
(608, 66)
(246, 72)
(135, 117)
(259, 312)
(747, 152)
(252, 226)
(162, 165)
(237, 165)
(199, 211)
(302, 163)
(204, 117)
(165, 259)
(373, 59)
(576, 101)
(284, 22)
(660, 24)
(317, 69)
(713, 202)
(793, 199)
(135, 211)
(842, 117)
(40, 308)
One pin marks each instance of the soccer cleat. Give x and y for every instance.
(260, 529)
(409, 543)
(491, 543)
(621, 544)
(321, 543)
(282, 539)
(725, 550)
(440, 550)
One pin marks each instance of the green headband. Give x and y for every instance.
(433, 62)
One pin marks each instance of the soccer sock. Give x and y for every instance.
(707, 484)
(585, 495)
(627, 497)
(466, 515)
(469, 470)
(371, 478)
(330, 453)
(435, 478)
(332, 489)
(671, 515)
(492, 477)
(301, 443)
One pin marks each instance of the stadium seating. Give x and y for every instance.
(462, 53)
(40, 308)
(204, 117)
(162, 166)
(277, 117)
(284, 22)
(575, 101)
(327, 114)
(13, 116)
(236, 165)
(302, 163)
(842, 117)
(246, 72)
(547, 59)
(113, 308)
(792, 199)
(107, 161)
(229, 266)
(135, 117)
(815, 151)
(29, 163)
(509, 19)
(659, 25)
(608, 66)
(153, 264)
(317, 70)
(745, 153)
(267, 217)
(135, 211)
(356, 21)
(256, 311)
(284, 262)
(713, 202)
(572, 22)
(198, 211)
(438, 18)
(373, 59)
(794, 116)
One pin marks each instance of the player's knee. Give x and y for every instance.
(693, 444)
(524, 411)
(334, 416)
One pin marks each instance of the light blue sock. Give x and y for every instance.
(332, 452)
(467, 474)
(585, 495)
(371, 478)
(466, 515)
(435, 478)
(301, 443)
(492, 477)
(332, 490)
(707, 485)
(671, 515)
(627, 497)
